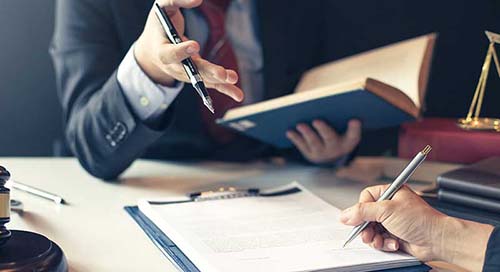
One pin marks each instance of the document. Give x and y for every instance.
(291, 232)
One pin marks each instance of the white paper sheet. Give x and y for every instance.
(295, 232)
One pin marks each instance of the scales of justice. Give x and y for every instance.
(473, 121)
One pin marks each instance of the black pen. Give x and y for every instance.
(188, 64)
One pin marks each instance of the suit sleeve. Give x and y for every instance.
(100, 127)
(492, 258)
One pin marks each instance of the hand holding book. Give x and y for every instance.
(382, 88)
(320, 143)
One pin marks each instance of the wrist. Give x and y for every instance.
(463, 243)
(148, 66)
(445, 237)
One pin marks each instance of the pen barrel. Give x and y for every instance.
(191, 71)
(402, 177)
(167, 25)
(188, 64)
(37, 192)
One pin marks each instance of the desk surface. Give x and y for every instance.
(95, 232)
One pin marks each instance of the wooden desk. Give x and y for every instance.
(95, 232)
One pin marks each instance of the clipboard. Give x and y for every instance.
(175, 254)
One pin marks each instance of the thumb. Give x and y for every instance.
(175, 4)
(367, 211)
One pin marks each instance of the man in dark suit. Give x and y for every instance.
(121, 82)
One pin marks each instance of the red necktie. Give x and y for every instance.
(218, 50)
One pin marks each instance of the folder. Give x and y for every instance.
(177, 256)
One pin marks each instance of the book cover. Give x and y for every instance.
(382, 88)
(450, 143)
(469, 200)
(271, 126)
(480, 179)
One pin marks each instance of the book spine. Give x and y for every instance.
(468, 187)
(469, 200)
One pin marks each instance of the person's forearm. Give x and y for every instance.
(463, 243)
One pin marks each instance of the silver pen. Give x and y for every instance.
(188, 64)
(36, 192)
(394, 187)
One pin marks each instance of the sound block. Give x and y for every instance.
(28, 251)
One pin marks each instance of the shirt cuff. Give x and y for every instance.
(148, 99)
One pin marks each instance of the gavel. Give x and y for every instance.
(23, 250)
(5, 234)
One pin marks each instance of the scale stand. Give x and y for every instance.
(474, 122)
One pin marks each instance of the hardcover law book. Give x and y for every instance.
(383, 87)
(450, 143)
(468, 200)
(480, 179)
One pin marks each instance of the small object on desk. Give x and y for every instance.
(24, 250)
(36, 192)
(394, 187)
(188, 64)
(16, 206)
(223, 193)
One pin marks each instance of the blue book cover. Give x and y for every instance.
(382, 87)
(270, 126)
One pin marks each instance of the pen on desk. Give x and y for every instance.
(188, 64)
(37, 192)
(393, 188)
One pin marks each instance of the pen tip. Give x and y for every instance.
(210, 106)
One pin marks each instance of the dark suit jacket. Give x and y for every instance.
(91, 38)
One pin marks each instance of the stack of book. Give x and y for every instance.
(476, 186)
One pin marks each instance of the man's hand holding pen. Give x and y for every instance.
(161, 60)
(408, 223)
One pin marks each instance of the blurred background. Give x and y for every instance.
(31, 115)
(29, 109)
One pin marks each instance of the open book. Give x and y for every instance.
(382, 87)
(282, 229)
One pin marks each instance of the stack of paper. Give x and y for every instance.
(290, 232)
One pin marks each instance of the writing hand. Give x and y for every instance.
(408, 223)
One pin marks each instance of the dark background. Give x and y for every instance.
(29, 109)
(31, 116)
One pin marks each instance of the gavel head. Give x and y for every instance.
(4, 206)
